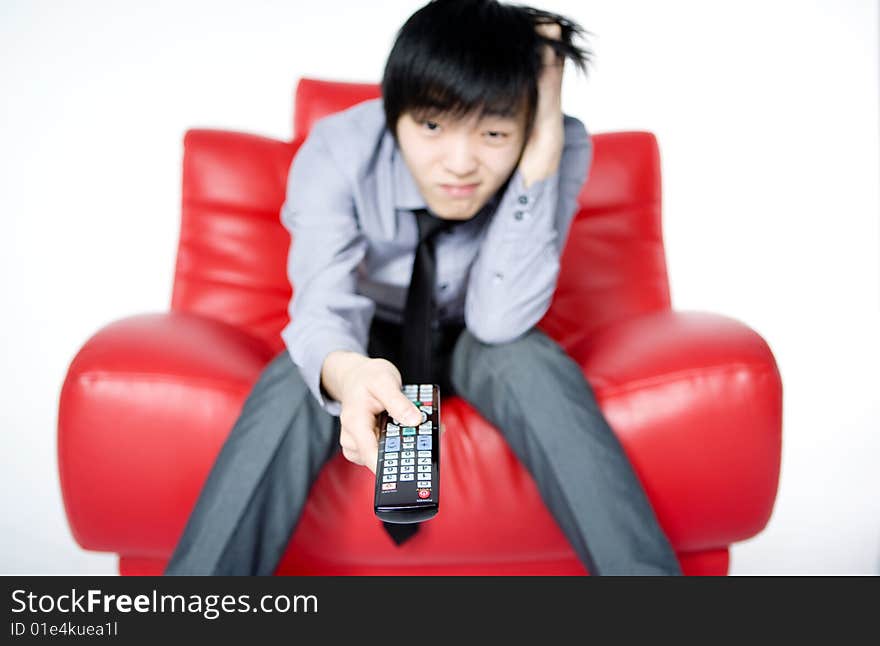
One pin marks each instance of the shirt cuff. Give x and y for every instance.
(528, 212)
(308, 353)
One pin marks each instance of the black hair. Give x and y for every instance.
(459, 57)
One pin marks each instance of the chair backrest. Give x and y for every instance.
(232, 251)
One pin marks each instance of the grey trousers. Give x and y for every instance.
(529, 389)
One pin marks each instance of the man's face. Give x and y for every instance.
(459, 165)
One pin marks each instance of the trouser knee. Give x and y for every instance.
(510, 365)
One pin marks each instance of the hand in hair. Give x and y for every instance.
(543, 150)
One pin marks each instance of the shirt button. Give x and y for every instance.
(499, 277)
(444, 285)
(523, 199)
(518, 215)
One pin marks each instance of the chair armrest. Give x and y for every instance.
(696, 400)
(140, 399)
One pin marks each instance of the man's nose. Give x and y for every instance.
(460, 158)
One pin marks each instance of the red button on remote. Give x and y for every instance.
(424, 493)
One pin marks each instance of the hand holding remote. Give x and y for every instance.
(370, 388)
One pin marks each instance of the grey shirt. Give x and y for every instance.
(349, 210)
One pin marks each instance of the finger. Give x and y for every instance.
(549, 30)
(346, 441)
(371, 456)
(352, 455)
(388, 392)
(553, 31)
(359, 423)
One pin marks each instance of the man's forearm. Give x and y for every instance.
(336, 366)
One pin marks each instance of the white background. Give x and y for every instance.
(767, 117)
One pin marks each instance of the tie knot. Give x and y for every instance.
(430, 225)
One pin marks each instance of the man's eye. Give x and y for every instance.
(430, 125)
(496, 134)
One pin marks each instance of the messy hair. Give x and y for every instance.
(461, 57)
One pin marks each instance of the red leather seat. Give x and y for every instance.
(695, 397)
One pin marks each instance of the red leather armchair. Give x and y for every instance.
(696, 398)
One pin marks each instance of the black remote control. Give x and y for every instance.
(408, 468)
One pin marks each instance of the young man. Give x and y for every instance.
(469, 136)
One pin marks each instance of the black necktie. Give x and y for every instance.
(416, 346)
(418, 315)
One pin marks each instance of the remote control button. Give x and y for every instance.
(424, 493)
(407, 469)
(389, 478)
(424, 431)
(409, 430)
(389, 486)
(392, 432)
(423, 468)
(393, 444)
(391, 456)
(406, 476)
(424, 460)
(390, 463)
(408, 461)
(408, 454)
(428, 425)
(392, 427)
(424, 454)
(390, 470)
(408, 446)
(424, 442)
(424, 483)
(427, 410)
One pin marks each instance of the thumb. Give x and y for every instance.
(401, 408)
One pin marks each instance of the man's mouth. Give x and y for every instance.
(459, 190)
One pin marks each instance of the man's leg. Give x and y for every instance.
(538, 398)
(256, 490)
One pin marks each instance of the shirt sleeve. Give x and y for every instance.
(514, 274)
(327, 245)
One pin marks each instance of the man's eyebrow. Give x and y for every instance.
(427, 112)
(499, 117)
(431, 112)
